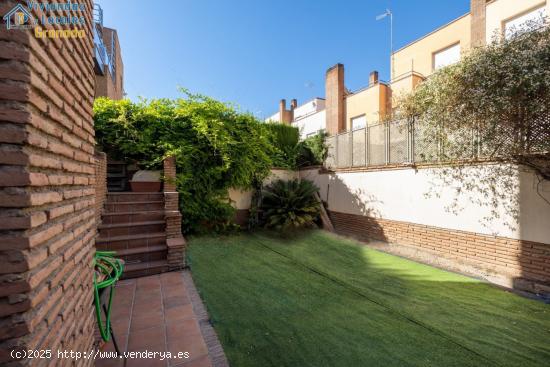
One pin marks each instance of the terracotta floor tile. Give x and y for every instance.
(145, 337)
(126, 283)
(148, 303)
(150, 281)
(160, 317)
(203, 361)
(195, 346)
(178, 300)
(120, 326)
(177, 330)
(121, 340)
(176, 278)
(179, 313)
(172, 291)
(147, 295)
(140, 323)
(109, 362)
(147, 308)
(146, 363)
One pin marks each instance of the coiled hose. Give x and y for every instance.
(109, 268)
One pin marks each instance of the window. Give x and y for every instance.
(518, 25)
(446, 57)
(358, 122)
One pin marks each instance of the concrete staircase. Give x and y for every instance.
(134, 225)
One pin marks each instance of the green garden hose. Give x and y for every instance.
(105, 264)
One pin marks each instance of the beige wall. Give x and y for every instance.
(372, 102)
(418, 56)
(404, 84)
(502, 10)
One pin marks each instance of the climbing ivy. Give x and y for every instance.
(216, 148)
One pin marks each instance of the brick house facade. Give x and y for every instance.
(47, 201)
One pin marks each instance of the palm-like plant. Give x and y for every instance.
(290, 204)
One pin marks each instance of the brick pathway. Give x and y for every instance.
(163, 313)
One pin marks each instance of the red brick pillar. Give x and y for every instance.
(335, 93)
(47, 205)
(100, 183)
(174, 238)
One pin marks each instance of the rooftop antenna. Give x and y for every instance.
(389, 13)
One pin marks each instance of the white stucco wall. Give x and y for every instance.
(275, 118)
(502, 10)
(311, 124)
(429, 197)
(241, 199)
(315, 105)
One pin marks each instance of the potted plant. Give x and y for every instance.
(146, 181)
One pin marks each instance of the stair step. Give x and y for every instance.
(125, 197)
(127, 229)
(134, 270)
(117, 243)
(131, 237)
(141, 250)
(132, 217)
(138, 206)
(135, 224)
(143, 254)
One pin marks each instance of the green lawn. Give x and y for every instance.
(321, 300)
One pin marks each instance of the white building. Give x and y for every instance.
(309, 118)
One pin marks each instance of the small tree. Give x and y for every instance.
(493, 105)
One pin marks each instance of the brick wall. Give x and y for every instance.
(174, 238)
(519, 260)
(100, 184)
(47, 203)
(106, 84)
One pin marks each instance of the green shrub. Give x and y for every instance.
(290, 204)
(312, 151)
(216, 148)
(284, 139)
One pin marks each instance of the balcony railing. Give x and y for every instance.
(102, 57)
(100, 50)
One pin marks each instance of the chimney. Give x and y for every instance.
(285, 116)
(373, 78)
(282, 108)
(477, 11)
(335, 102)
(293, 104)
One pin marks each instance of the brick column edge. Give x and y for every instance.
(174, 239)
(100, 184)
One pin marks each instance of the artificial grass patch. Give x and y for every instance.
(321, 300)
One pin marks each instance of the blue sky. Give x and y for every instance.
(254, 52)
